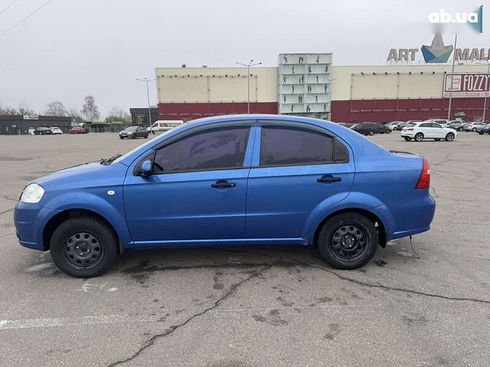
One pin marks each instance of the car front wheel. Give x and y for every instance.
(348, 241)
(450, 137)
(84, 247)
(419, 137)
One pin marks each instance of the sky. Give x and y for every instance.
(72, 48)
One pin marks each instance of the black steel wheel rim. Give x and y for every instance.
(348, 242)
(83, 250)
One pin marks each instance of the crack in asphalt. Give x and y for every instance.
(149, 342)
(7, 198)
(6, 211)
(434, 192)
(444, 160)
(397, 289)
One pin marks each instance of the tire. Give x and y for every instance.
(84, 247)
(449, 137)
(419, 137)
(348, 227)
(437, 139)
(407, 138)
(474, 129)
(121, 138)
(371, 132)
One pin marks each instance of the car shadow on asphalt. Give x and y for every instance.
(138, 262)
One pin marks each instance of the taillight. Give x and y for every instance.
(424, 179)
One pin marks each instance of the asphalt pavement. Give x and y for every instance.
(420, 304)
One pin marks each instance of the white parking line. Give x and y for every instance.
(67, 321)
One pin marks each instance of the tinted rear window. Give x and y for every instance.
(294, 146)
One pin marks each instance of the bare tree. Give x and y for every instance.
(75, 115)
(25, 110)
(90, 109)
(56, 109)
(118, 114)
(8, 111)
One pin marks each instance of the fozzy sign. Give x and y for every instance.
(466, 85)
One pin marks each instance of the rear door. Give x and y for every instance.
(427, 130)
(294, 170)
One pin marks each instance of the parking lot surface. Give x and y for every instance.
(421, 305)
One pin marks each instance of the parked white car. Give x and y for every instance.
(164, 125)
(473, 126)
(55, 130)
(427, 130)
(393, 124)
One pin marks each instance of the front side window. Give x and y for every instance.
(294, 146)
(208, 150)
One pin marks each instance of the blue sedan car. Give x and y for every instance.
(230, 180)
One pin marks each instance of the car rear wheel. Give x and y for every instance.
(419, 137)
(450, 137)
(83, 247)
(348, 241)
(474, 129)
(407, 138)
(371, 132)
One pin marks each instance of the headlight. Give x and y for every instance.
(32, 194)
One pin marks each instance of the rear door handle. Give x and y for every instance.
(223, 185)
(329, 179)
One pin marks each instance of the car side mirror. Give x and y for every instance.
(146, 168)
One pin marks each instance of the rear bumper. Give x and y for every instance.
(410, 217)
(408, 134)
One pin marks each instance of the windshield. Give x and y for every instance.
(131, 128)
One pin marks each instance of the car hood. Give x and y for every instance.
(84, 175)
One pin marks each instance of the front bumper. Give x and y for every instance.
(30, 219)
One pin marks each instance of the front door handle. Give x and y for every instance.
(223, 184)
(329, 179)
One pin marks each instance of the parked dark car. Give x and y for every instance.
(77, 130)
(134, 132)
(43, 130)
(371, 128)
(484, 130)
(457, 125)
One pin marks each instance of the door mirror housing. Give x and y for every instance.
(146, 168)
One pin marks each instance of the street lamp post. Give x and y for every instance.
(249, 65)
(452, 75)
(486, 92)
(147, 81)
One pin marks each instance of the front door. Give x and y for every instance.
(299, 172)
(196, 193)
